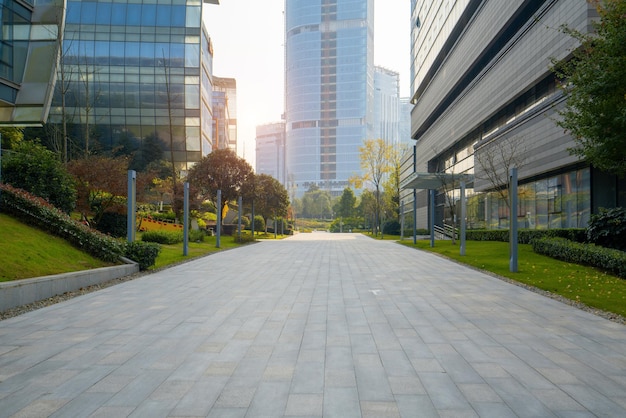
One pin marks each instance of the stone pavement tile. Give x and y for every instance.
(308, 377)
(371, 378)
(112, 411)
(443, 393)
(270, 400)
(371, 409)
(235, 397)
(200, 398)
(342, 378)
(139, 389)
(518, 398)
(40, 408)
(305, 404)
(411, 406)
(341, 403)
(593, 401)
(493, 410)
(153, 409)
(227, 413)
(406, 385)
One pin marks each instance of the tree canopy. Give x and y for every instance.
(595, 83)
(221, 170)
(271, 198)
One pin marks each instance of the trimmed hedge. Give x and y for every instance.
(144, 253)
(593, 255)
(526, 236)
(162, 237)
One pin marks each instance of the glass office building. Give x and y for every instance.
(29, 53)
(329, 90)
(130, 70)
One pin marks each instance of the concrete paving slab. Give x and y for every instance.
(317, 325)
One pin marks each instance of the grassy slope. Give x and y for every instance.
(29, 252)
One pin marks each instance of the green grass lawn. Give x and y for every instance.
(587, 285)
(29, 252)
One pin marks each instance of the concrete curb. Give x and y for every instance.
(22, 292)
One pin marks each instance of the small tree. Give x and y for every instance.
(375, 155)
(102, 184)
(345, 206)
(272, 199)
(221, 170)
(595, 83)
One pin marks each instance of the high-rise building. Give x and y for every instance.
(390, 115)
(130, 70)
(225, 113)
(270, 150)
(329, 78)
(29, 52)
(483, 90)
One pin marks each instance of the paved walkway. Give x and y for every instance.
(315, 325)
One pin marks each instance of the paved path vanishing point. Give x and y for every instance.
(317, 325)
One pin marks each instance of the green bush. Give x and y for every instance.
(196, 235)
(608, 259)
(38, 212)
(162, 237)
(113, 224)
(259, 223)
(526, 236)
(391, 228)
(30, 166)
(243, 239)
(346, 224)
(608, 228)
(143, 253)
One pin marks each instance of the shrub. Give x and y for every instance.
(144, 253)
(259, 223)
(38, 212)
(525, 236)
(607, 259)
(113, 224)
(196, 235)
(37, 170)
(391, 228)
(162, 237)
(608, 228)
(243, 239)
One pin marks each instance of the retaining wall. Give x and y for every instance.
(22, 292)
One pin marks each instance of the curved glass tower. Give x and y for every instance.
(329, 67)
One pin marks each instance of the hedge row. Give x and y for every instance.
(38, 212)
(593, 255)
(526, 236)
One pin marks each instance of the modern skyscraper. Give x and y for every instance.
(225, 113)
(329, 82)
(389, 113)
(130, 70)
(29, 52)
(270, 150)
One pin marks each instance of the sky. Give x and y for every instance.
(248, 45)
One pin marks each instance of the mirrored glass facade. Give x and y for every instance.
(29, 52)
(329, 90)
(134, 69)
